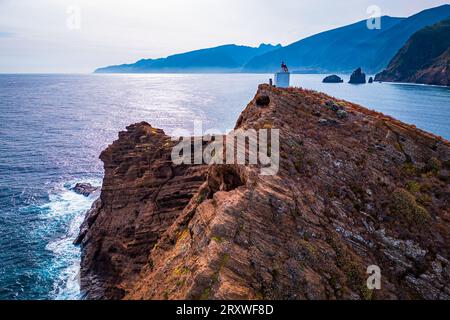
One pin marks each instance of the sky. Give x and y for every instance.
(77, 36)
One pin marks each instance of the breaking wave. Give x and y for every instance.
(64, 212)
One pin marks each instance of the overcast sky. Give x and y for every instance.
(44, 35)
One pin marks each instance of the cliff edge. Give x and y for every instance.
(355, 189)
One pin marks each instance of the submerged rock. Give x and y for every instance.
(357, 77)
(333, 79)
(370, 80)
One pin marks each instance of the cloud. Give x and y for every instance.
(117, 31)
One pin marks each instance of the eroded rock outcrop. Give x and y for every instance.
(357, 77)
(143, 193)
(355, 188)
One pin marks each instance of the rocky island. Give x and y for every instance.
(355, 189)
(333, 79)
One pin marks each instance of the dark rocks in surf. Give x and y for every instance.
(85, 189)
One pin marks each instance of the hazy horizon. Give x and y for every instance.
(50, 36)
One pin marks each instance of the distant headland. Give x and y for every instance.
(340, 50)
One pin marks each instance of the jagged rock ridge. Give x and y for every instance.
(355, 188)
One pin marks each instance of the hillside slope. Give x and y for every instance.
(355, 188)
(227, 58)
(424, 59)
(347, 48)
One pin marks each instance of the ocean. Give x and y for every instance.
(53, 128)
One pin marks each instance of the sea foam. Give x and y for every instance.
(65, 209)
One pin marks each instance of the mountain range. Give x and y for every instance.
(347, 48)
(339, 50)
(227, 58)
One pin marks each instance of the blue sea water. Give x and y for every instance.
(53, 128)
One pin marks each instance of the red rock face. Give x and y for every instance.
(355, 189)
(142, 195)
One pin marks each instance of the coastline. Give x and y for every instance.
(96, 122)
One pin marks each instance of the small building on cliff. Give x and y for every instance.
(283, 77)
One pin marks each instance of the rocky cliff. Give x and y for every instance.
(424, 59)
(355, 188)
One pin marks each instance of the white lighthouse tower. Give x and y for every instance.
(283, 77)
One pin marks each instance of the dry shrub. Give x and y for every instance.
(404, 205)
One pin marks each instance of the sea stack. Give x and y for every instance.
(355, 188)
(333, 79)
(357, 77)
